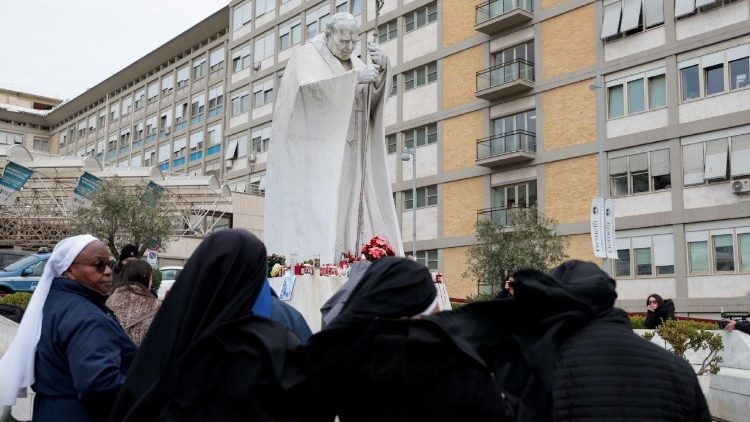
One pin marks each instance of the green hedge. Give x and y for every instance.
(19, 299)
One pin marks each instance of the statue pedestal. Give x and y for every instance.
(309, 294)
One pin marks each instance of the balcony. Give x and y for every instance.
(497, 15)
(506, 148)
(213, 149)
(505, 79)
(501, 216)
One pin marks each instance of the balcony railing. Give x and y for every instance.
(506, 143)
(517, 70)
(495, 15)
(502, 216)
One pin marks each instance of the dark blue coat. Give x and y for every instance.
(292, 319)
(82, 356)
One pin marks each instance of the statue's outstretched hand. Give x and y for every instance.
(376, 54)
(368, 74)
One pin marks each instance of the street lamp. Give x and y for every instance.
(406, 155)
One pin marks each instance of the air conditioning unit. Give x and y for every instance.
(229, 163)
(166, 131)
(740, 186)
(252, 157)
(256, 66)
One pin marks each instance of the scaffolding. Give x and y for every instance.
(42, 212)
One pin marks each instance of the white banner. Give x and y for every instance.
(610, 243)
(597, 227)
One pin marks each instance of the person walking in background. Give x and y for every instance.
(82, 353)
(128, 253)
(507, 290)
(658, 311)
(132, 302)
(212, 353)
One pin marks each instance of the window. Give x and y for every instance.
(139, 97)
(125, 138)
(263, 93)
(394, 86)
(214, 139)
(264, 46)
(242, 57)
(316, 20)
(10, 138)
(42, 144)
(180, 116)
(428, 258)
(639, 173)
(152, 92)
(264, 6)
(199, 68)
(290, 34)
(261, 138)
(151, 128)
(237, 148)
(629, 17)
(215, 100)
(114, 114)
(714, 79)
(352, 6)
(216, 59)
(183, 77)
(739, 71)
(716, 159)
(127, 105)
(197, 108)
(179, 148)
(165, 122)
(390, 143)
(387, 31)
(423, 135)
(426, 196)
(167, 84)
(420, 17)
(508, 199)
(81, 129)
(707, 74)
(685, 8)
(639, 93)
(242, 15)
(713, 251)
(420, 76)
(196, 146)
(240, 103)
(103, 115)
(138, 132)
(645, 256)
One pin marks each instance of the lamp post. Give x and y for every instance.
(410, 154)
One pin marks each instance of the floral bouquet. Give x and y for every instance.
(348, 258)
(376, 248)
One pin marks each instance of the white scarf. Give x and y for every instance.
(17, 364)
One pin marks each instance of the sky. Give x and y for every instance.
(60, 48)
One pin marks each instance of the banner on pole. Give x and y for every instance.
(603, 228)
(84, 192)
(12, 181)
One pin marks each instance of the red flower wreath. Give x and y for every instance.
(376, 248)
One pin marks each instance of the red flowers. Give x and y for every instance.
(376, 248)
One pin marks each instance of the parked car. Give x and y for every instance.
(168, 276)
(24, 274)
(9, 256)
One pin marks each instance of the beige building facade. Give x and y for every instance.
(508, 104)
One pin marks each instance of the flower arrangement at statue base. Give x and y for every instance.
(376, 248)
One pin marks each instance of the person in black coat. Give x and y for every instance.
(212, 353)
(383, 359)
(658, 311)
(560, 351)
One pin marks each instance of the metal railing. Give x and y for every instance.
(504, 73)
(494, 8)
(506, 143)
(501, 215)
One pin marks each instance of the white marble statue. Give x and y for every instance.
(327, 188)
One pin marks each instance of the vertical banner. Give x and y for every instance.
(597, 227)
(610, 244)
(84, 192)
(14, 177)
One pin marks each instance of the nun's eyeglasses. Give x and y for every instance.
(100, 266)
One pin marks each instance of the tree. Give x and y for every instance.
(119, 215)
(529, 243)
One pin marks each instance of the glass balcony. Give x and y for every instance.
(497, 15)
(213, 149)
(150, 139)
(137, 144)
(197, 119)
(124, 149)
(505, 79)
(215, 111)
(501, 216)
(111, 154)
(196, 155)
(506, 148)
(177, 162)
(180, 126)
(164, 166)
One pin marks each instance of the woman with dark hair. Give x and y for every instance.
(507, 288)
(212, 353)
(132, 302)
(382, 359)
(658, 311)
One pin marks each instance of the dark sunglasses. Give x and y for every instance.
(100, 266)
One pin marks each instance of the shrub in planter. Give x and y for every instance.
(682, 336)
(19, 299)
(637, 322)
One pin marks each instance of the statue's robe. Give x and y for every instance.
(326, 127)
